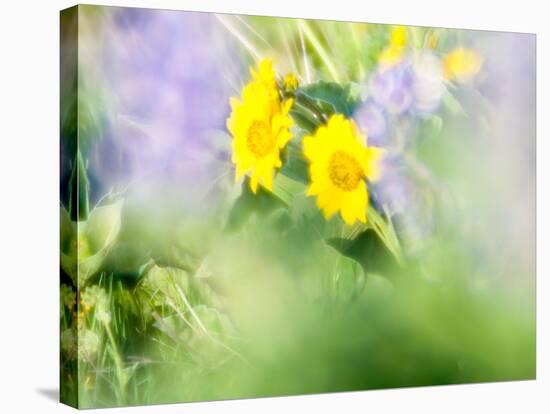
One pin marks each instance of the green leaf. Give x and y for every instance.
(295, 165)
(286, 188)
(103, 225)
(368, 250)
(85, 244)
(329, 97)
(248, 203)
(348, 279)
(385, 231)
(127, 260)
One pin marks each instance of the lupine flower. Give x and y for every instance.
(462, 64)
(169, 94)
(393, 192)
(260, 127)
(391, 88)
(371, 119)
(339, 163)
(428, 85)
(405, 200)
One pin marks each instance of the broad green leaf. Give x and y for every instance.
(127, 260)
(307, 217)
(385, 231)
(368, 250)
(348, 278)
(103, 225)
(328, 97)
(286, 188)
(85, 244)
(248, 203)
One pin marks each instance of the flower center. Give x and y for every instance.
(259, 139)
(344, 171)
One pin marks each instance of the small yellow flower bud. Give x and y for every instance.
(290, 82)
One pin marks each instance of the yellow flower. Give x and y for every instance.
(393, 53)
(339, 162)
(398, 36)
(260, 125)
(290, 82)
(461, 64)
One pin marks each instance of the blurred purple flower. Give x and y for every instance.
(394, 190)
(405, 199)
(167, 73)
(372, 122)
(391, 88)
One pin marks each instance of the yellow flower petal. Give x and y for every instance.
(372, 164)
(356, 205)
(329, 203)
(398, 36)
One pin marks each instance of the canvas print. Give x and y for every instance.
(262, 206)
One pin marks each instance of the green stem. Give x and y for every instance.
(307, 103)
(386, 233)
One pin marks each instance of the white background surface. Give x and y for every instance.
(29, 206)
